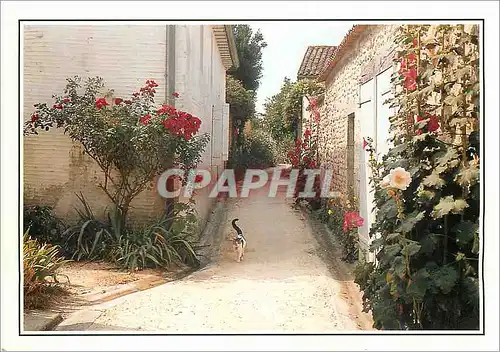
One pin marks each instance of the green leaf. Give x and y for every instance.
(475, 245)
(419, 284)
(468, 175)
(465, 231)
(392, 236)
(411, 248)
(399, 266)
(447, 157)
(410, 221)
(449, 205)
(428, 243)
(445, 278)
(392, 249)
(433, 180)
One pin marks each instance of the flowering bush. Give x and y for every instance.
(426, 189)
(131, 139)
(304, 157)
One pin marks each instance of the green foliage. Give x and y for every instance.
(43, 224)
(158, 245)
(169, 240)
(426, 245)
(258, 150)
(249, 45)
(41, 263)
(284, 108)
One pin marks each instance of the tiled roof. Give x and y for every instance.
(346, 44)
(314, 61)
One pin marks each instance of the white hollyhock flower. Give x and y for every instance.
(386, 181)
(399, 178)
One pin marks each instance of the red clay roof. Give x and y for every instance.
(315, 60)
(342, 49)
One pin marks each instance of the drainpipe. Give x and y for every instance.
(170, 88)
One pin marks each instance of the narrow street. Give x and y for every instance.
(282, 286)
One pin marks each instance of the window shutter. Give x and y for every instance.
(225, 132)
(217, 135)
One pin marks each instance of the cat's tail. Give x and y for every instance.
(238, 230)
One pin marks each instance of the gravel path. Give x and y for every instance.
(281, 286)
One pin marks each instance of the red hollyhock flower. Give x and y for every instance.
(145, 119)
(307, 133)
(118, 101)
(100, 103)
(433, 123)
(313, 102)
(352, 220)
(198, 178)
(415, 43)
(135, 95)
(365, 143)
(175, 94)
(66, 100)
(34, 117)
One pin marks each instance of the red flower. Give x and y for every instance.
(415, 43)
(433, 123)
(66, 100)
(307, 133)
(135, 95)
(118, 101)
(34, 117)
(100, 103)
(365, 143)
(57, 106)
(198, 178)
(175, 94)
(316, 115)
(352, 220)
(412, 57)
(145, 119)
(313, 102)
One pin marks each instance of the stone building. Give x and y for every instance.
(189, 59)
(357, 82)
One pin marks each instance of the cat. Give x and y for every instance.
(239, 242)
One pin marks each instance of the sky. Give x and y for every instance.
(286, 45)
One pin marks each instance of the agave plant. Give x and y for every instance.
(40, 262)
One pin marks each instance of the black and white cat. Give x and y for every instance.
(239, 241)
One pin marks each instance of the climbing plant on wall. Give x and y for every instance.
(425, 235)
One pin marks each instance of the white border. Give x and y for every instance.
(12, 11)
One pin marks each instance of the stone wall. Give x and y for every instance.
(364, 58)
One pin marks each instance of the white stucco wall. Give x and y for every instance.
(125, 56)
(200, 81)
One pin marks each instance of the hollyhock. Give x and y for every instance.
(100, 103)
(198, 178)
(352, 220)
(175, 94)
(145, 119)
(118, 101)
(399, 178)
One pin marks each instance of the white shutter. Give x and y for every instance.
(225, 132)
(384, 112)
(366, 197)
(216, 135)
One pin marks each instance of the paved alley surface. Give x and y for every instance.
(281, 286)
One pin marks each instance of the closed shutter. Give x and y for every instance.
(367, 128)
(225, 132)
(217, 135)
